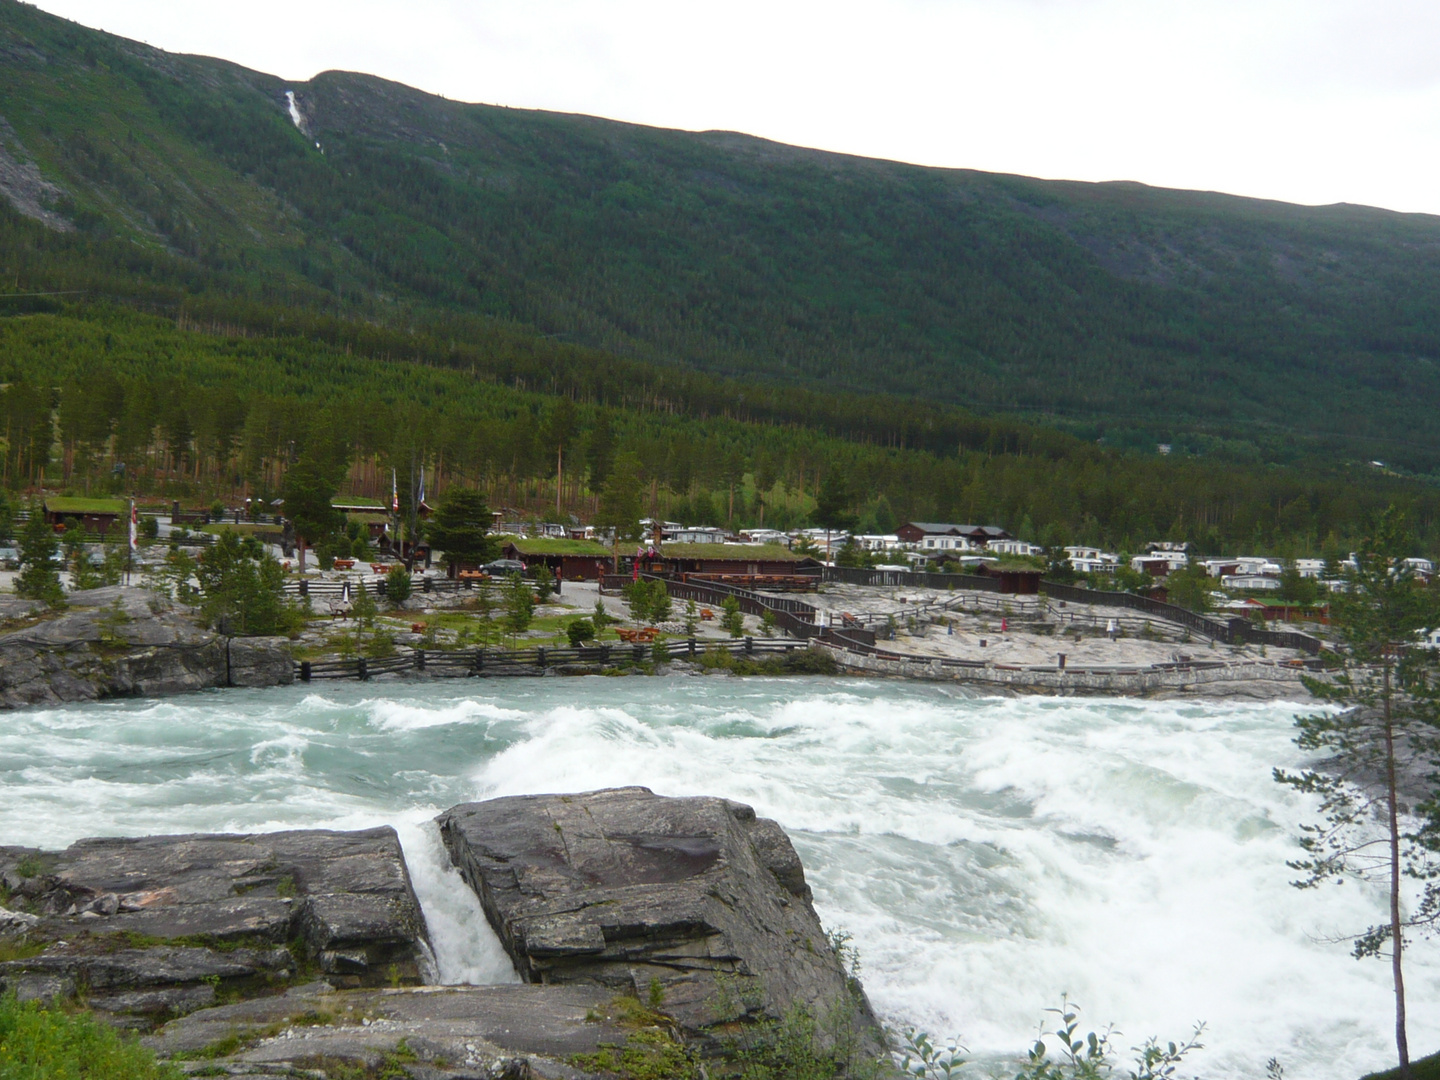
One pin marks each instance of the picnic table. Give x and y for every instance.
(645, 634)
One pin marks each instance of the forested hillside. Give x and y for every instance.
(192, 413)
(1237, 330)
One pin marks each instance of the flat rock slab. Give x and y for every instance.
(509, 1031)
(158, 923)
(623, 888)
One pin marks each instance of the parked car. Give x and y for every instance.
(504, 567)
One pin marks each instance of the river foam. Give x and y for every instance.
(987, 855)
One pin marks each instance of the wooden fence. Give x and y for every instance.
(795, 617)
(854, 575)
(1231, 631)
(346, 588)
(505, 661)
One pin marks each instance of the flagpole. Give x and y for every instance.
(130, 555)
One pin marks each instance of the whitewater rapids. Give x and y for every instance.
(986, 854)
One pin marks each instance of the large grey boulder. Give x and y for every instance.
(624, 888)
(121, 641)
(156, 924)
(260, 661)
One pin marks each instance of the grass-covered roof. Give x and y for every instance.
(732, 552)
(62, 504)
(555, 546)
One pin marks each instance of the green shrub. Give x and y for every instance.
(398, 585)
(733, 621)
(380, 645)
(579, 632)
(363, 608)
(49, 1044)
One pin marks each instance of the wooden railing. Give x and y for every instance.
(344, 588)
(1231, 631)
(483, 661)
(795, 617)
(854, 575)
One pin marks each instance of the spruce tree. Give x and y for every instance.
(39, 577)
(460, 527)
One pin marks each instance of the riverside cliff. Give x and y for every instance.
(124, 642)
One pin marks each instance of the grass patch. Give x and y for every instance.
(796, 662)
(50, 1044)
(651, 1054)
(1426, 1068)
(20, 950)
(243, 1038)
(131, 939)
(245, 528)
(391, 1067)
(651, 1051)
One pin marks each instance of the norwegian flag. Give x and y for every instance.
(134, 526)
(394, 492)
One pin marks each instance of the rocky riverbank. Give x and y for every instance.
(124, 642)
(641, 927)
(130, 642)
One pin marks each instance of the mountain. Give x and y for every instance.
(1226, 327)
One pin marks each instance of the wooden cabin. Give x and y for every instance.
(87, 515)
(568, 560)
(752, 566)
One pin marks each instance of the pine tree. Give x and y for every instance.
(1385, 736)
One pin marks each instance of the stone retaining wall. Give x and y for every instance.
(1247, 679)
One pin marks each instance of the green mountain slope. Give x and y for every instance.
(1226, 326)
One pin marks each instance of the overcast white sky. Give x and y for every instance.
(1312, 101)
